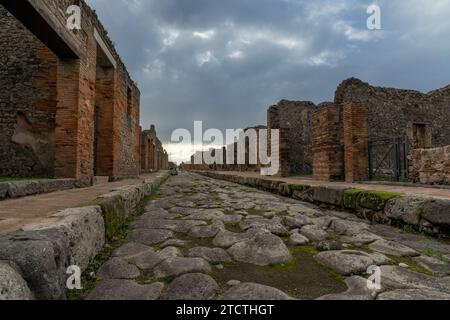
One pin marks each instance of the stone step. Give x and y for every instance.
(99, 180)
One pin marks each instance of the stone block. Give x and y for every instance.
(84, 229)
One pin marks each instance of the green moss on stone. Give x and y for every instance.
(298, 187)
(351, 198)
(255, 212)
(113, 210)
(284, 189)
(435, 254)
(413, 265)
(376, 200)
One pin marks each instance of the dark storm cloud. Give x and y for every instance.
(225, 62)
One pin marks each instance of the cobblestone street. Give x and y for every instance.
(210, 239)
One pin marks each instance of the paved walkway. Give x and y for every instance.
(211, 239)
(16, 213)
(441, 193)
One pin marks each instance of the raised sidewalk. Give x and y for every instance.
(43, 235)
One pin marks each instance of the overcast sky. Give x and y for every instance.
(226, 61)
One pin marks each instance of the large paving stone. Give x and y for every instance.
(209, 231)
(118, 268)
(181, 226)
(12, 285)
(357, 290)
(212, 255)
(349, 228)
(392, 248)
(253, 291)
(273, 225)
(42, 256)
(361, 239)
(415, 241)
(179, 265)
(297, 221)
(414, 294)
(159, 203)
(347, 262)
(314, 233)
(193, 286)
(131, 249)
(394, 277)
(323, 222)
(174, 243)
(296, 239)
(150, 259)
(232, 218)
(125, 290)
(433, 264)
(159, 214)
(206, 215)
(226, 239)
(149, 236)
(306, 209)
(262, 249)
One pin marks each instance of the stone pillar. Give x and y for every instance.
(66, 130)
(104, 101)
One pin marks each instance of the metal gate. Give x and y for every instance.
(388, 158)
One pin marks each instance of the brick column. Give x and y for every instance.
(356, 143)
(327, 145)
(105, 99)
(66, 131)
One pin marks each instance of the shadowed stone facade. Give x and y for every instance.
(69, 108)
(293, 119)
(362, 114)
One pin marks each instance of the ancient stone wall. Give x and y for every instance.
(49, 99)
(294, 118)
(27, 101)
(153, 155)
(431, 166)
(398, 113)
(362, 114)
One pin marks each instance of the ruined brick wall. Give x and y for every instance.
(27, 101)
(431, 166)
(153, 155)
(394, 112)
(294, 118)
(40, 79)
(327, 149)
(355, 143)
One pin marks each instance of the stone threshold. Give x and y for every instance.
(37, 257)
(419, 213)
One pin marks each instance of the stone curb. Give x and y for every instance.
(74, 236)
(18, 189)
(424, 214)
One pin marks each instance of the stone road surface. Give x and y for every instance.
(208, 239)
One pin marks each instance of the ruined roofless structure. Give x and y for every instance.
(68, 106)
